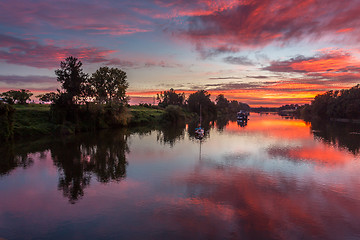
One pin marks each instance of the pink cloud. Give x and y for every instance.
(31, 53)
(333, 66)
(181, 8)
(260, 23)
(90, 16)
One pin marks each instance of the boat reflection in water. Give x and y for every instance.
(276, 178)
(242, 123)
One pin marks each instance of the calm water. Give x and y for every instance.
(274, 178)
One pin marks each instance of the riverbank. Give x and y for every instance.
(35, 120)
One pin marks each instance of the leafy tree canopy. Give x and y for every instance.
(72, 78)
(109, 85)
(14, 96)
(202, 98)
(338, 104)
(48, 97)
(170, 97)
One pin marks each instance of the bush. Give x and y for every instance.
(174, 114)
(6, 122)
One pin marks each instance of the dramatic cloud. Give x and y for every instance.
(32, 53)
(154, 41)
(336, 66)
(180, 8)
(93, 17)
(255, 23)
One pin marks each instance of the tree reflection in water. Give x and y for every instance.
(343, 135)
(77, 158)
(103, 155)
(10, 160)
(165, 133)
(170, 134)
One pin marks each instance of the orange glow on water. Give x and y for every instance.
(321, 154)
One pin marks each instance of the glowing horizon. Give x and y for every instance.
(263, 53)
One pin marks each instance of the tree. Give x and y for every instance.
(48, 97)
(170, 97)
(201, 97)
(72, 78)
(222, 104)
(109, 85)
(9, 96)
(20, 96)
(337, 104)
(23, 95)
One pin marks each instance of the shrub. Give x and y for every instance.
(6, 121)
(174, 113)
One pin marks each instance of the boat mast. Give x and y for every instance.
(200, 115)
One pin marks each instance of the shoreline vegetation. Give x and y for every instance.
(88, 103)
(98, 101)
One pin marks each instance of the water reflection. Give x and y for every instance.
(274, 178)
(167, 134)
(77, 159)
(343, 135)
(206, 124)
(170, 134)
(102, 155)
(10, 161)
(242, 123)
(265, 206)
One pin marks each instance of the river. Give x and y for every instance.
(272, 178)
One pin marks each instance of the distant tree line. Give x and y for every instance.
(209, 109)
(12, 96)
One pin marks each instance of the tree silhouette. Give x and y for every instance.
(47, 97)
(201, 97)
(14, 96)
(170, 97)
(102, 156)
(109, 85)
(72, 78)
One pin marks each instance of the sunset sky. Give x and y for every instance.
(261, 52)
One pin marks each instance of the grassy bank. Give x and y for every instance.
(145, 115)
(34, 119)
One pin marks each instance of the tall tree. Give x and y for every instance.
(109, 85)
(170, 97)
(72, 78)
(222, 104)
(201, 97)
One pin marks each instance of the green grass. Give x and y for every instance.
(144, 115)
(35, 107)
(32, 119)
